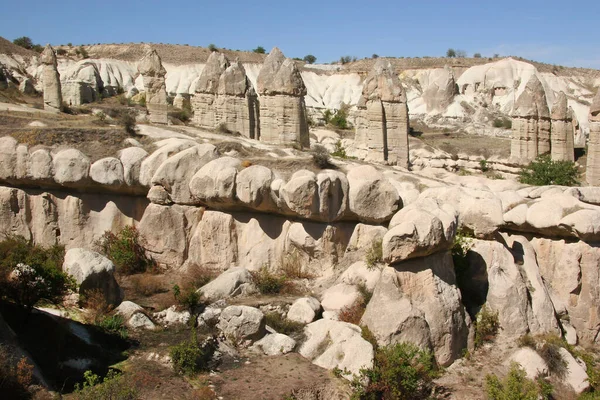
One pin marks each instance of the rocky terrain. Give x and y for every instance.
(420, 238)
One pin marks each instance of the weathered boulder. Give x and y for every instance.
(93, 271)
(229, 284)
(275, 344)
(151, 163)
(333, 195)
(440, 89)
(253, 187)
(339, 296)
(107, 171)
(370, 196)
(576, 375)
(529, 359)
(40, 165)
(304, 310)
(214, 241)
(132, 158)
(153, 74)
(335, 344)
(242, 323)
(364, 235)
(171, 316)
(8, 157)
(51, 80)
(300, 194)
(359, 272)
(134, 316)
(214, 183)
(70, 166)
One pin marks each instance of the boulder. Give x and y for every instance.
(107, 171)
(275, 344)
(339, 296)
(151, 163)
(371, 197)
(93, 271)
(359, 272)
(132, 158)
(171, 316)
(134, 315)
(364, 236)
(214, 183)
(242, 323)
(529, 359)
(253, 187)
(228, 284)
(214, 241)
(304, 310)
(300, 194)
(335, 344)
(51, 80)
(333, 195)
(8, 157)
(576, 375)
(40, 165)
(70, 166)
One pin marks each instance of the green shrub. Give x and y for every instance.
(504, 122)
(338, 119)
(259, 50)
(125, 251)
(182, 115)
(30, 273)
(113, 387)
(188, 297)
(339, 151)
(310, 59)
(516, 386)
(374, 254)
(400, 371)
(212, 47)
(114, 325)
(486, 326)
(320, 156)
(127, 121)
(191, 357)
(544, 171)
(24, 41)
(268, 282)
(142, 100)
(283, 325)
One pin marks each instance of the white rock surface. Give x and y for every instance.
(304, 310)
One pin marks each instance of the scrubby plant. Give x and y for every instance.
(545, 171)
(24, 41)
(190, 357)
(339, 151)
(184, 115)
(320, 156)
(504, 122)
(339, 119)
(113, 325)
(259, 50)
(112, 386)
(486, 326)
(125, 251)
(292, 266)
(30, 273)
(212, 47)
(353, 313)
(483, 164)
(15, 375)
(127, 121)
(548, 347)
(516, 386)
(187, 297)
(282, 324)
(374, 254)
(400, 371)
(310, 59)
(451, 53)
(268, 282)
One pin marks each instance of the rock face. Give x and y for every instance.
(207, 88)
(51, 81)
(531, 123)
(228, 284)
(237, 108)
(93, 271)
(383, 124)
(562, 139)
(242, 322)
(593, 154)
(441, 89)
(153, 74)
(282, 108)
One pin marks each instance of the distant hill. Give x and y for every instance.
(9, 48)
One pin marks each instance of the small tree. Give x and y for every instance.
(25, 42)
(477, 55)
(212, 47)
(451, 53)
(545, 171)
(259, 50)
(461, 53)
(374, 56)
(309, 58)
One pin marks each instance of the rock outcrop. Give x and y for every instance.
(531, 123)
(205, 96)
(51, 81)
(441, 89)
(382, 125)
(282, 108)
(562, 139)
(153, 74)
(593, 153)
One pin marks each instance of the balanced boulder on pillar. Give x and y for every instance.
(51, 80)
(153, 74)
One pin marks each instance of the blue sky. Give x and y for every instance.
(557, 32)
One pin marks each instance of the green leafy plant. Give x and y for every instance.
(113, 386)
(268, 282)
(400, 371)
(486, 326)
(30, 273)
(191, 357)
(516, 386)
(545, 171)
(374, 254)
(339, 151)
(259, 50)
(125, 251)
(114, 325)
(212, 47)
(188, 297)
(310, 59)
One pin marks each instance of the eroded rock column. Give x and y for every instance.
(51, 81)
(562, 144)
(593, 152)
(384, 128)
(531, 123)
(282, 107)
(205, 98)
(153, 73)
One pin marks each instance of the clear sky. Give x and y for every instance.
(557, 32)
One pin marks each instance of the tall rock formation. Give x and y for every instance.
(440, 89)
(153, 73)
(593, 152)
(207, 88)
(383, 126)
(237, 104)
(561, 139)
(531, 123)
(51, 81)
(282, 108)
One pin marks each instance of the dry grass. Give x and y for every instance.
(293, 268)
(148, 284)
(95, 306)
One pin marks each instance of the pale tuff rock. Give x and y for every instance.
(171, 316)
(8, 157)
(82, 83)
(134, 316)
(40, 165)
(242, 322)
(364, 236)
(383, 124)
(51, 81)
(304, 310)
(182, 101)
(441, 89)
(151, 163)
(531, 123)
(335, 344)
(228, 284)
(253, 187)
(418, 302)
(153, 74)
(132, 158)
(107, 171)
(372, 198)
(93, 271)
(215, 182)
(339, 296)
(300, 194)
(576, 375)
(282, 108)
(593, 153)
(333, 195)
(359, 272)
(207, 87)
(562, 140)
(70, 166)
(214, 241)
(530, 361)
(275, 344)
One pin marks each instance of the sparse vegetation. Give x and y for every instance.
(545, 171)
(282, 324)
(374, 254)
(337, 119)
(187, 297)
(354, 312)
(400, 371)
(516, 386)
(212, 47)
(259, 50)
(486, 326)
(483, 164)
(268, 282)
(127, 121)
(113, 386)
(310, 59)
(125, 251)
(320, 156)
(548, 347)
(347, 59)
(114, 325)
(191, 357)
(30, 273)
(15, 376)
(339, 151)
(503, 122)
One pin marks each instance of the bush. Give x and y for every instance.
(30, 273)
(188, 297)
(124, 250)
(477, 55)
(283, 325)
(544, 171)
(15, 376)
(374, 254)
(400, 371)
(338, 119)
(310, 59)
(123, 100)
(548, 347)
(25, 42)
(127, 121)
(320, 157)
(450, 53)
(212, 47)
(339, 151)
(182, 115)
(259, 50)
(486, 326)
(353, 313)
(268, 282)
(113, 325)
(504, 122)
(516, 386)
(113, 386)
(292, 266)
(61, 52)
(191, 357)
